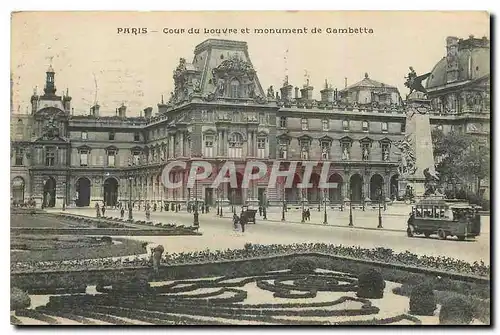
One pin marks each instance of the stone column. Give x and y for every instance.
(182, 147)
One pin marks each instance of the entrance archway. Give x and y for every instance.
(83, 192)
(376, 186)
(49, 193)
(110, 192)
(394, 187)
(356, 186)
(17, 190)
(335, 194)
(314, 193)
(236, 194)
(293, 194)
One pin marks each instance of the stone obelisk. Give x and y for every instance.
(417, 150)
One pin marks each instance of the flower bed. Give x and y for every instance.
(382, 255)
(172, 303)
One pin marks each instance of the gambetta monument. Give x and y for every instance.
(417, 159)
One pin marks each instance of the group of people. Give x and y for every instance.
(240, 221)
(384, 255)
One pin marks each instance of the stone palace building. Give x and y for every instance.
(219, 111)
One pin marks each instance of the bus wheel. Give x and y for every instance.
(427, 234)
(461, 238)
(410, 231)
(441, 234)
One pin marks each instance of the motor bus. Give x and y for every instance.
(445, 218)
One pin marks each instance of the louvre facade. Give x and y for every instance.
(219, 111)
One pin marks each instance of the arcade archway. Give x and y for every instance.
(17, 189)
(314, 193)
(83, 192)
(335, 194)
(394, 187)
(110, 192)
(49, 193)
(293, 194)
(356, 186)
(376, 186)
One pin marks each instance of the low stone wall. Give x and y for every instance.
(34, 281)
(101, 231)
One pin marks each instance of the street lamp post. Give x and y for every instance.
(64, 197)
(220, 202)
(302, 196)
(325, 220)
(233, 199)
(284, 204)
(130, 198)
(196, 222)
(350, 211)
(379, 207)
(363, 197)
(264, 206)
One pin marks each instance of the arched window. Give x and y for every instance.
(235, 89)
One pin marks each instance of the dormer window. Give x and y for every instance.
(345, 125)
(111, 136)
(235, 87)
(365, 125)
(137, 137)
(283, 123)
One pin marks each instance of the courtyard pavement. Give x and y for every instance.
(218, 234)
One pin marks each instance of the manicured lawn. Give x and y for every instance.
(40, 221)
(29, 248)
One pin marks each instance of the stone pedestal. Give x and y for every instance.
(417, 148)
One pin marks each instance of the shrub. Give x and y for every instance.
(19, 299)
(422, 300)
(107, 240)
(456, 311)
(371, 284)
(248, 246)
(302, 265)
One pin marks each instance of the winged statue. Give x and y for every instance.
(414, 82)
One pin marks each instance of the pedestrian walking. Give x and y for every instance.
(122, 212)
(260, 210)
(243, 222)
(103, 210)
(154, 207)
(236, 220)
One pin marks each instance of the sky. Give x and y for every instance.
(86, 51)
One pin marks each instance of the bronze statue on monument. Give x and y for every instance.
(414, 82)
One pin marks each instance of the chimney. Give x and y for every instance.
(122, 111)
(148, 112)
(327, 93)
(307, 92)
(94, 110)
(296, 93)
(286, 91)
(451, 59)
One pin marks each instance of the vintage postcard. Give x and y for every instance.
(250, 168)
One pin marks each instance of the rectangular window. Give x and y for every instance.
(325, 125)
(137, 137)
(385, 127)
(50, 157)
(111, 136)
(403, 127)
(305, 124)
(210, 116)
(261, 147)
(209, 146)
(385, 152)
(365, 125)
(325, 150)
(136, 158)
(84, 157)
(304, 150)
(84, 135)
(111, 158)
(19, 156)
(283, 123)
(283, 150)
(345, 125)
